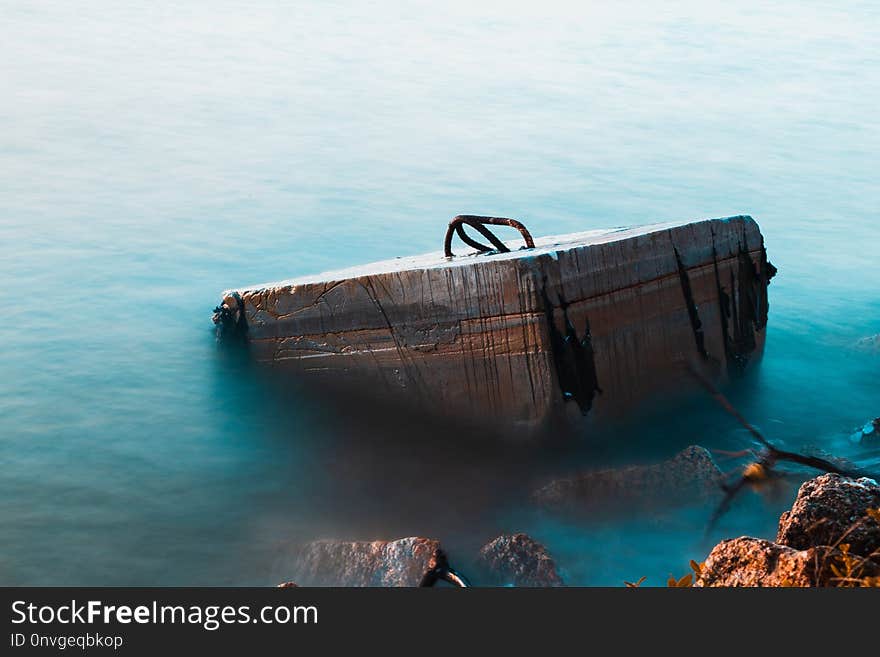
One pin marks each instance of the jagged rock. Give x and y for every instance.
(518, 560)
(830, 509)
(690, 474)
(755, 562)
(749, 561)
(402, 562)
(826, 539)
(229, 318)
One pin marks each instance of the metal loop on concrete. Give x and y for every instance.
(479, 224)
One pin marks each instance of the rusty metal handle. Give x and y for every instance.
(479, 224)
(442, 570)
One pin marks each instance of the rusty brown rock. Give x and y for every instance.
(690, 474)
(402, 562)
(581, 325)
(831, 509)
(518, 560)
(755, 562)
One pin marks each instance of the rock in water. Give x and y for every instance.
(870, 343)
(755, 562)
(518, 560)
(869, 434)
(402, 562)
(828, 507)
(690, 474)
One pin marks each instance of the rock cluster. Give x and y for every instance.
(508, 560)
(830, 537)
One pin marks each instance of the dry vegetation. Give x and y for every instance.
(839, 567)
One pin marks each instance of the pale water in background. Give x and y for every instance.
(152, 157)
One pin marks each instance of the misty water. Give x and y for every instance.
(151, 157)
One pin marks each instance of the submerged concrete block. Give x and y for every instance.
(690, 475)
(588, 324)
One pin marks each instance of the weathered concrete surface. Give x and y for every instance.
(518, 560)
(690, 475)
(584, 324)
(365, 563)
(831, 509)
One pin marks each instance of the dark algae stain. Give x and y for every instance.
(743, 310)
(723, 307)
(230, 320)
(573, 356)
(768, 271)
(746, 318)
(693, 314)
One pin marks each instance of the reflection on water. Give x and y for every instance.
(156, 156)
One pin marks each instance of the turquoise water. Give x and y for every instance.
(152, 157)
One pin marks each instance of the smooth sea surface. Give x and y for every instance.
(152, 156)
